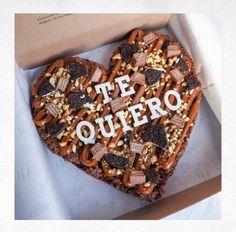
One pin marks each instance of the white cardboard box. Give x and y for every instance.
(47, 187)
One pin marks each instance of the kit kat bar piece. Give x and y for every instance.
(52, 109)
(173, 50)
(95, 74)
(176, 75)
(149, 38)
(137, 177)
(138, 78)
(117, 104)
(62, 83)
(177, 120)
(139, 59)
(136, 147)
(98, 150)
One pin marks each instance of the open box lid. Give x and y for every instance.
(39, 38)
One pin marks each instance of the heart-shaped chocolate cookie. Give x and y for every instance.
(127, 127)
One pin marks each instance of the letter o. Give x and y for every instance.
(91, 138)
(167, 102)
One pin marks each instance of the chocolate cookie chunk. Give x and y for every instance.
(127, 51)
(45, 88)
(116, 161)
(151, 175)
(156, 135)
(152, 76)
(78, 100)
(76, 70)
(192, 82)
(183, 67)
(54, 128)
(127, 137)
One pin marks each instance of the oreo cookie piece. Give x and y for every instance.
(78, 100)
(127, 51)
(166, 44)
(127, 137)
(76, 70)
(152, 76)
(151, 175)
(192, 82)
(45, 88)
(116, 161)
(54, 128)
(156, 135)
(183, 67)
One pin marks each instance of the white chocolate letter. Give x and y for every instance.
(123, 86)
(120, 115)
(135, 114)
(91, 138)
(178, 99)
(100, 122)
(154, 106)
(102, 87)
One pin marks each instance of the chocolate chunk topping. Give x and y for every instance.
(139, 59)
(79, 100)
(136, 147)
(45, 88)
(52, 109)
(157, 135)
(127, 51)
(138, 78)
(62, 83)
(95, 74)
(116, 161)
(183, 67)
(77, 70)
(192, 82)
(173, 50)
(176, 75)
(137, 177)
(55, 128)
(98, 150)
(117, 104)
(149, 38)
(151, 175)
(177, 120)
(152, 76)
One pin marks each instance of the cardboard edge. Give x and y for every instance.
(73, 47)
(175, 202)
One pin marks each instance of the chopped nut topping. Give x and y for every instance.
(153, 159)
(74, 148)
(120, 143)
(89, 89)
(128, 66)
(62, 144)
(117, 56)
(112, 145)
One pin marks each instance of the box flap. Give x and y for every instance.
(176, 202)
(39, 38)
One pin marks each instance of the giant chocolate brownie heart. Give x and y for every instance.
(127, 127)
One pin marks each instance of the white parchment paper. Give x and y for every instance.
(47, 187)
